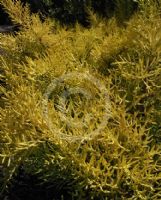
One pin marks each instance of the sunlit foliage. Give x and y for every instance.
(123, 161)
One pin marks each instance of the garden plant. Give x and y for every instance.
(80, 107)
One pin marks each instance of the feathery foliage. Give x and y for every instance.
(121, 161)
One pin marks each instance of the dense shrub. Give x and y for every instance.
(52, 139)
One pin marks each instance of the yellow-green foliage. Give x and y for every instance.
(123, 161)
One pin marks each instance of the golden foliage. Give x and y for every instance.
(122, 161)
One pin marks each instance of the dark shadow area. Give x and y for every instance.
(4, 18)
(70, 12)
(28, 187)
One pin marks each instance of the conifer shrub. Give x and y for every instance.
(49, 123)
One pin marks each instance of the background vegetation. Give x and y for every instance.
(124, 160)
(72, 11)
(69, 12)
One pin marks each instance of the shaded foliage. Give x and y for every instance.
(73, 11)
(122, 160)
(70, 12)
